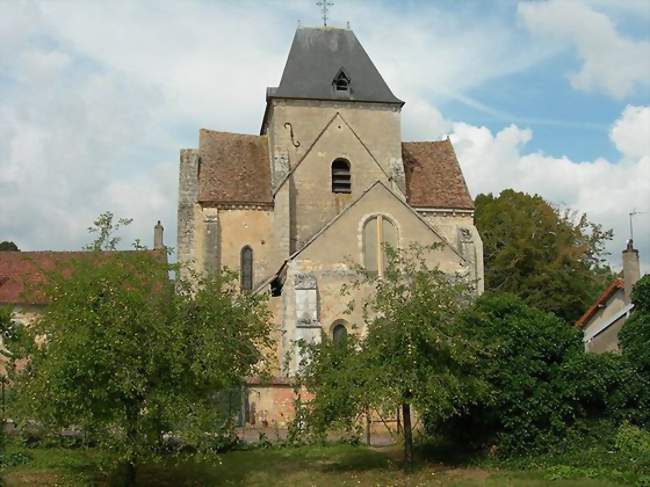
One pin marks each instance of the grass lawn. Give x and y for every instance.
(333, 465)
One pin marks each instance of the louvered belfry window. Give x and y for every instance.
(246, 268)
(341, 177)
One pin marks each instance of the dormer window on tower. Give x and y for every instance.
(341, 82)
(341, 177)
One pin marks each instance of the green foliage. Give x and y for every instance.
(15, 342)
(105, 230)
(8, 246)
(13, 459)
(635, 442)
(544, 384)
(635, 334)
(412, 353)
(132, 361)
(551, 259)
(339, 378)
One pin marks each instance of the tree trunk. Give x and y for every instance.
(408, 435)
(368, 425)
(131, 434)
(129, 474)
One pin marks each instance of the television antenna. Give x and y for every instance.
(632, 214)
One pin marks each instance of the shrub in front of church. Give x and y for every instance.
(412, 356)
(546, 389)
(136, 364)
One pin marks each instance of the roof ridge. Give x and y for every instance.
(616, 283)
(223, 132)
(81, 251)
(427, 142)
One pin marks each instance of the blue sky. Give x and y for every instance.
(97, 98)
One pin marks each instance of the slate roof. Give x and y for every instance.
(234, 168)
(316, 57)
(21, 271)
(433, 176)
(601, 301)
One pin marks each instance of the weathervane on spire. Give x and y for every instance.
(324, 4)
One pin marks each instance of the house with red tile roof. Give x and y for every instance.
(22, 272)
(604, 319)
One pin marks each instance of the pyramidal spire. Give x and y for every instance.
(330, 64)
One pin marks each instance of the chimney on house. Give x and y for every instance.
(631, 269)
(158, 236)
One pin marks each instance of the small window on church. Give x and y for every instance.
(246, 268)
(339, 334)
(341, 82)
(341, 177)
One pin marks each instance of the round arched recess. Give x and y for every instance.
(339, 331)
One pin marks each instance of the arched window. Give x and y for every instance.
(339, 333)
(246, 268)
(378, 234)
(341, 178)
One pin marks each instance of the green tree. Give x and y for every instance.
(127, 357)
(6, 245)
(553, 260)
(635, 334)
(412, 357)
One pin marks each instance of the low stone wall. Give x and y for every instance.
(270, 408)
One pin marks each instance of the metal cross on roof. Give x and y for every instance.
(324, 4)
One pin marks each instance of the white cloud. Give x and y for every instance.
(606, 191)
(631, 132)
(611, 62)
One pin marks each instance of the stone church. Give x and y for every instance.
(326, 183)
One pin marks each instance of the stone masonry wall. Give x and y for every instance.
(187, 196)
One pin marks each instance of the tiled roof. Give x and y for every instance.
(235, 168)
(433, 176)
(21, 271)
(615, 285)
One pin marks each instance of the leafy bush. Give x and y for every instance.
(13, 459)
(635, 334)
(544, 386)
(634, 442)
